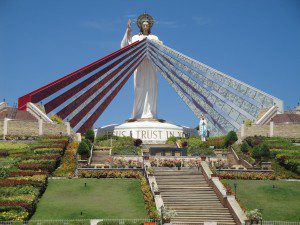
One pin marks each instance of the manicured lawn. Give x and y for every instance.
(102, 198)
(280, 203)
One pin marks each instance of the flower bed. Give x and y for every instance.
(23, 175)
(68, 163)
(247, 176)
(174, 162)
(116, 162)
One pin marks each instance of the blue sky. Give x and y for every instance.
(257, 42)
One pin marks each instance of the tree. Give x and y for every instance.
(88, 143)
(245, 147)
(137, 142)
(90, 135)
(265, 152)
(256, 153)
(230, 138)
(83, 149)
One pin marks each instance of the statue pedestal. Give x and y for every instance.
(150, 131)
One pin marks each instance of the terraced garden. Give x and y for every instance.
(24, 169)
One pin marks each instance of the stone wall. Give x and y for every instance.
(22, 128)
(263, 130)
(54, 129)
(34, 128)
(287, 130)
(280, 130)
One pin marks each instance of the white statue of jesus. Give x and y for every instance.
(145, 79)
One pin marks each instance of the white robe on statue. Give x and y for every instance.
(145, 82)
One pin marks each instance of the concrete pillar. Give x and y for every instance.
(41, 132)
(271, 129)
(243, 131)
(78, 137)
(5, 127)
(68, 128)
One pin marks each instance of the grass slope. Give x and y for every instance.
(102, 198)
(281, 203)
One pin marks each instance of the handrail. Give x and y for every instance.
(228, 201)
(91, 155)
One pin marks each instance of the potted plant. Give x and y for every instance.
(168, 214)
(146, 157)
(178, 165)
(254, 216)
(203, 157)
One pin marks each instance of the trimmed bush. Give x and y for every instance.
(83, 149)
(56, 118)
(245, 147)
(265, 152)
(256, 154)
(90, 135)
(230, 138)
(88, 143)
(137, 142)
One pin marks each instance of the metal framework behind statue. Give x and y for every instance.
(82, 96)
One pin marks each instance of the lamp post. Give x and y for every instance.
(162, 214)
(235, 187)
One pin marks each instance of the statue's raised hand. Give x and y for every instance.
(129, 26)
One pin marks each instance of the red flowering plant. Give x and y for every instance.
(27, 173)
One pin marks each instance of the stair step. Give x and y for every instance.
(187, 192)
(202, 218)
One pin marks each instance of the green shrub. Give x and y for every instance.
(256, 154)
(217, 142)
(90, 135)
(124, 146)
(265, 152)
(88, 143)
(137, 142)
(83, 149)
(261, 151)
(172, 140)
(106, 137)
(255, 140)
(197, 147)
(248, 123)
(230, 138)
(56, 118)
(245, 147)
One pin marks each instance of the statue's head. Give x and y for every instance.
(145, 22)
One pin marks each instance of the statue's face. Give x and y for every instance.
(145, 27)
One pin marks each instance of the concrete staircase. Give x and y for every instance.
(187, 192)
